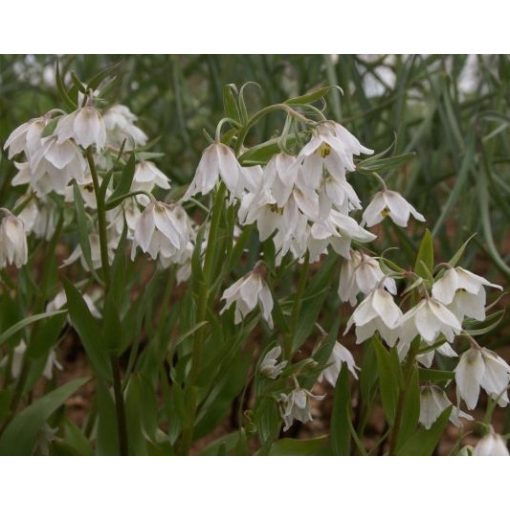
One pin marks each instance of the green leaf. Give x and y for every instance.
(311, 97)
(230, 102)
(424, 265)
(341, 415)
(107, 440)
(435, 376)
(26, 322)
(424, 442)
(316, 446)
(20, 435)
(62, 89)
(89, 331)
(388, 369)
(410, 408)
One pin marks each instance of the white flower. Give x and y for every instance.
(296, 406)
(246, 292)
(218, 160)
(160, 229)
(269, 366)
(60, 300)
(429, 318)
(392, 204)
(433, 401)
(85, 126)
(39, 217)
(463, 292)
(332, 147)
(491, 445)
(95, 253)
(119, 122)
(338, 357)
(361, 273)
(13, 240)
(51, 362)
(147, 175)
(480, 367)
(17, 359)
(26, 137)
(377, 312)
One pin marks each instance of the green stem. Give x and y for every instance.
(105, 263)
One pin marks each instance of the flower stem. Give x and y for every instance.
(105, 263)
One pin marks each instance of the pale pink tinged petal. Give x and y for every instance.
(61, 154)
(267, 222)
(229, 167)
(444, 289)
(64, 129)
(23, 176)
(468, 374)
(320, 231)
(165, 224)
(16, 140)
(84, 126)
(266, 301)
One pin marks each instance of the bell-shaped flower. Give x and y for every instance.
(429, 318)
(361, 273)
(340, 355)
(85, 126)
(147, 175)
(269, 366)
(482, 368)
(492, 445)
(463, 292)
(160, 229)
(120, 127)
(433, 401)
(13, 240)
(332, 147)
(218, 160)
(247, 292)
(296, 406)
(95, 253)
(392, 204)
(39, 216)
(377, 312)
(26, 138)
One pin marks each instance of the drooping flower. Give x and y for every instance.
(147, 175)
(392, 204)
(491, 444)
(463, 292)
(340, 355)
(296, 406)
(26, 138)
(377, 312)
(270, 366)
(95, 253)
(218, 160)
(433, 401)
(85, 126)
(247, 292)
(482, 368)
(13, 240)
(361, 273)
(429, 318)
(160, 230)
(39, 216)
(60, 300)
(120, 127)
